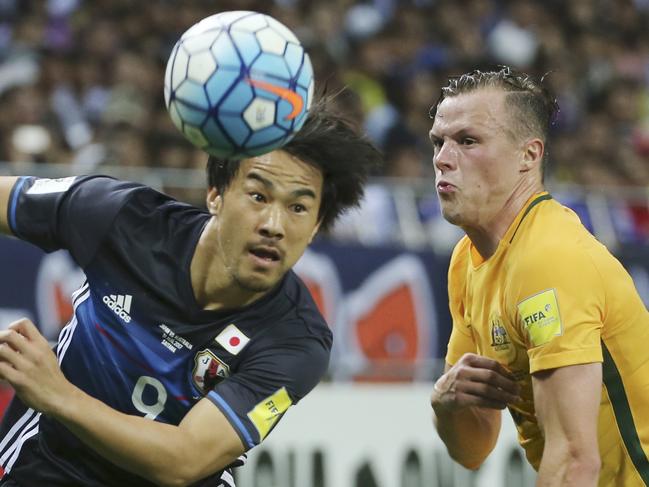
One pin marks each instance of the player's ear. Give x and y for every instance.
(213, 201)
(315, 231)
(532, 155)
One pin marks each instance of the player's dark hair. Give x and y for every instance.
(532, 107)
(328, 141)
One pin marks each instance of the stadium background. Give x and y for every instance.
(81, 92)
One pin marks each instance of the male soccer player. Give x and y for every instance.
(546, 322)
(192, 336)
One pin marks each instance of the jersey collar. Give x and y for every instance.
(527, 207)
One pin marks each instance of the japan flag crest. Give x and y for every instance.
(232, 339)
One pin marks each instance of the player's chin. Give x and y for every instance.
(451, 215)
(259, 281)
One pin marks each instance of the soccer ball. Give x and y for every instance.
(238, 84)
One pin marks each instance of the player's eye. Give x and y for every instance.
(299, 208)
(258, 197)
(468, 141)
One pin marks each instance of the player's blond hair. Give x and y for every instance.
(532, 107)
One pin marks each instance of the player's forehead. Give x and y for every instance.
(281, 170)
(482, 110)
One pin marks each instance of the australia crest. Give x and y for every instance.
(499, 338)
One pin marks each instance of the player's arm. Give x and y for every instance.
(6, 185)
(467, 401)
(568, 415)
(167, 455)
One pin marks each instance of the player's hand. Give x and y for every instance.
(475, 381)
(30, 366)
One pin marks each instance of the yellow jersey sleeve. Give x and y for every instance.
(460, 343)
(559, 305)
(461, 340)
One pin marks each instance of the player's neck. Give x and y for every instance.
(486, 237)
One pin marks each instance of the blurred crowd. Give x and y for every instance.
(81, 81)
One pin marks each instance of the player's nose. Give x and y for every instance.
(445, 156)
(272, 224)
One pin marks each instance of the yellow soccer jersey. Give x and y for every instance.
(553, 296)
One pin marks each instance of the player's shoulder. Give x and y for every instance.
(295, 315)
(134, 199)
(305, 308)
(461, 251)
(553, 237)
(134, 212)
(87, 193)
(459, 259)
(98, 184)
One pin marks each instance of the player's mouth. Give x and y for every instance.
(265, 256)
(444, 187)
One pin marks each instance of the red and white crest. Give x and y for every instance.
(208, 371)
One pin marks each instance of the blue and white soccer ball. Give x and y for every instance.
(238, 84)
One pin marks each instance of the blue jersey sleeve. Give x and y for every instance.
(269, 381)
(69, 213)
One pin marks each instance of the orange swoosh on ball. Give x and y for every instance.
(290, 96)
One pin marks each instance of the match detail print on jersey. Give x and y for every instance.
(267, 412)
(540, 316)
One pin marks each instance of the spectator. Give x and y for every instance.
(91, 65)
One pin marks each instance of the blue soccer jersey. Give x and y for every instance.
(139, 341)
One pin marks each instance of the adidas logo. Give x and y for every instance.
(120, 304)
